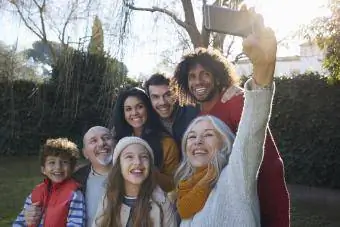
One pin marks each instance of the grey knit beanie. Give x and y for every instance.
(126, 141)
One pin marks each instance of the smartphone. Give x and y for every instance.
(225, 20)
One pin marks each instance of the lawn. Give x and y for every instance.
(19, 175)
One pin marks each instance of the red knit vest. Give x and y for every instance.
(54, 200)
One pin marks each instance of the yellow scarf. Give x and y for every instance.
(192, 194)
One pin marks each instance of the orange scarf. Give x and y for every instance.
(192, 194)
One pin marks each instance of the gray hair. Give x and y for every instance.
(220, 159)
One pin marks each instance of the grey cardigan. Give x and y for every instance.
(234, 201)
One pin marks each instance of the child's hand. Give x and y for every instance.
(33, 214)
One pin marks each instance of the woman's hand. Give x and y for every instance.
(261, 48)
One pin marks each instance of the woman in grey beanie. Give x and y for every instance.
(132, 196)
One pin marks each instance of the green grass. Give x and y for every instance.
(17, 178)
(19, 175)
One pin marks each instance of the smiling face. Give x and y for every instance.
(135, 112)
(98, 146)
(57, 168)
(201, 84)
(202, 143)
(161, 100)
(135, 165)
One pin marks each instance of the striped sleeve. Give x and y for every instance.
(20, 220)
(76, 215)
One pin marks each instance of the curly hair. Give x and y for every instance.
(59, 147)
(153, 129)
(212, 61)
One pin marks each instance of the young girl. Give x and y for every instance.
(134, 115)
(132, 197)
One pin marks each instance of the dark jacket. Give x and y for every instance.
(81, 175)
(183, 116)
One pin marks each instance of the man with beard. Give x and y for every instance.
(203, 76)
(174, 117)
(98, 145)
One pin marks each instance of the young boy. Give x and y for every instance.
(62, 202)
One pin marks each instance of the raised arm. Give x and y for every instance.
(246, 156)
(247, 152)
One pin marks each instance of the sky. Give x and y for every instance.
(153, 36)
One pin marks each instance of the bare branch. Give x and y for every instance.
(42, 21)
(204, 32)
(238, 57)
(25, 21)
(192, 29)
(160, 10)
(230, 46)
(68, 20)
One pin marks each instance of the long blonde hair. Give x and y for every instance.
(219, 161)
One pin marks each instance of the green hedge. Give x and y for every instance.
(306, 124)
(80, 94)
(305, 119)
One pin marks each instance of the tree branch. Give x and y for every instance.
(68, 19)
(25, 21)
(192, 29)
(230, 46)
(205, 33)
(238, 57)
(160, 10)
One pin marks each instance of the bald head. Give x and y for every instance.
(98, 145)
(94, 131)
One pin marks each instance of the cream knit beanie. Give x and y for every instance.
(126, 141)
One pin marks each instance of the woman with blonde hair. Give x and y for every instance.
(132, 197)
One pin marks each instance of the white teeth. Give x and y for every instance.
(136, 171)
(200, 90)
(200, 152)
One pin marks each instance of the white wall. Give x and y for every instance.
(310, 59)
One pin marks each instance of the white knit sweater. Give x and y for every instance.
(233, 201)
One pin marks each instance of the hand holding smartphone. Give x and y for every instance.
(225, 20)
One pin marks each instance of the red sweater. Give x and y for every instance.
(272, 190)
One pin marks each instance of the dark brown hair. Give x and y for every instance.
(212, 61)
(156, 79)
(59, 147)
